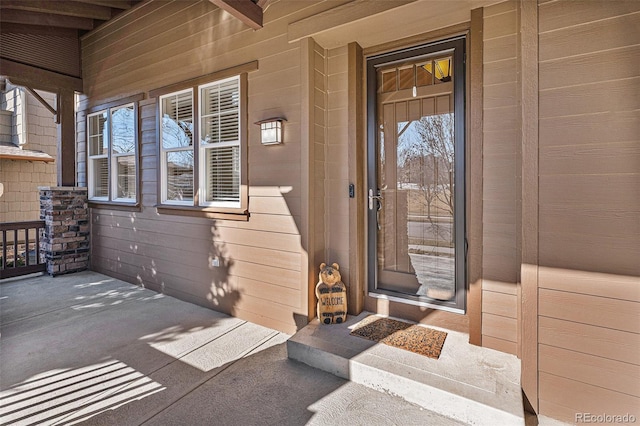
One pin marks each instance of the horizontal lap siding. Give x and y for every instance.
(261, 276)
(589, 281)
(501, 138)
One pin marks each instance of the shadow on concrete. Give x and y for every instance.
(82, 344)
(86, 348)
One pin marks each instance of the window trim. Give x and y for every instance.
(111, 198)
(239, 211)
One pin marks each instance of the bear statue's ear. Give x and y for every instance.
(336, 266)
(322, 265)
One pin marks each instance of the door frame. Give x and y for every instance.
(457, 44)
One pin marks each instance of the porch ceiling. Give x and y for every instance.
(80, 15)
(40, 39)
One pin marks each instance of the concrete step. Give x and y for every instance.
(475, 385)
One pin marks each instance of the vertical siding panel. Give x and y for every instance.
(337, 164)
(500, 143)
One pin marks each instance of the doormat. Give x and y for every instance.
(411, 337)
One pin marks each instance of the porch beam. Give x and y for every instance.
(66, 8)
(66, 155)
(44, 103)
(116, 4)
(38, 78)
(23, 17)
(244, 10)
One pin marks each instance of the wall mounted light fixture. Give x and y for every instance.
(271, 130)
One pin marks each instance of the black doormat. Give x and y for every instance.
(411, 337)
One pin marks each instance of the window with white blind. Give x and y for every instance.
(201, 158)
(220, 143)
(112, 154)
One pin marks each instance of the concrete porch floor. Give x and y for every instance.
(87, 348)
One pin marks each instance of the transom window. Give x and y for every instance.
(410, 75)
(112, 154)
(207, 173)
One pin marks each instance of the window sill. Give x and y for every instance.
(114, 205)
(206, 212)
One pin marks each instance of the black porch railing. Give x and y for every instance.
(20, 248)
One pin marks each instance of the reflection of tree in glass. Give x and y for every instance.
(179, 182)
(425, 158)
(123, 131)
(176, 134)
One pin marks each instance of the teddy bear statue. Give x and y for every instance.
(332, 295)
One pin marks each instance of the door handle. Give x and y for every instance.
(374, 197)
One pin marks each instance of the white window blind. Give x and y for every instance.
(220, 143)
(222, 170)
(100, 181)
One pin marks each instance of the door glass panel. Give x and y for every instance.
(405, 77)
(415, 176)
(388, 80)
(424, 74)
(443, 70)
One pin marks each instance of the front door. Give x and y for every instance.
(416, 175)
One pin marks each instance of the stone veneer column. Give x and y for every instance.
(65, 243)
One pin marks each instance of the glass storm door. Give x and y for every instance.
(416, 175)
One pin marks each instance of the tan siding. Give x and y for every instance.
(597, 284)
(337, 165)
(499, 304)
(582, 398)
(603, 158)
(500, 141)
(500, 8)
(592, 370)
(261, 277)
(611, 313)
(499, 287)
(603, 96)
(603, 342)
(596, 67)
(500, 327)
(590, 129)
(499, 344)
(589, 172)
(562, 14)
(590, 36)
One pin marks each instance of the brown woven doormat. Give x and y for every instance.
(411, 337)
